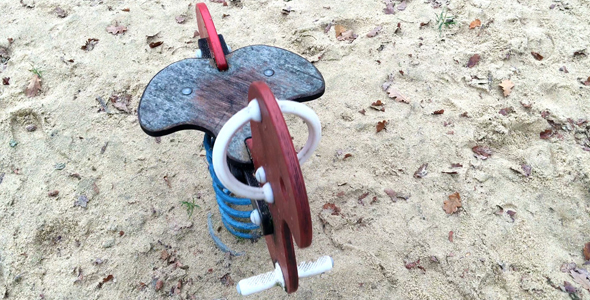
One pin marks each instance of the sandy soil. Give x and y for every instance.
(52, 249)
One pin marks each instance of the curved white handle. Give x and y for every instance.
(252, 113)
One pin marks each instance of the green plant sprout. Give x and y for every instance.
(444, 19)
(36, 71)
(190, 206)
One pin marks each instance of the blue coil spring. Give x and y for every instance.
(236, 221)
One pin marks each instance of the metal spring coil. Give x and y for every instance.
(233, 219)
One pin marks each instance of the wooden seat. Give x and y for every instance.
(194, 94)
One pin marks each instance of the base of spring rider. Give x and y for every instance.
(237, 222)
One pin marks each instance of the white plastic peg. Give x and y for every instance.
(265, 281)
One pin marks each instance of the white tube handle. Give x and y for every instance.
(252, 113)
(265, 281)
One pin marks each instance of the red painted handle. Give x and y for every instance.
(207, 31)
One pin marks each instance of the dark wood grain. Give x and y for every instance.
(216, 96)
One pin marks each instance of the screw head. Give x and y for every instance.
(269, 72)
(186, 91)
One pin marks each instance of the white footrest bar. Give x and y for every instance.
(265, 281)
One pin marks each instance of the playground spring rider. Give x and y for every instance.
(249, 148)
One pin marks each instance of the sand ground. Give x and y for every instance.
(52, 249)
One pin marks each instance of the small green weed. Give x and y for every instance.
(444, 20)
(190, 206)
(36, 71)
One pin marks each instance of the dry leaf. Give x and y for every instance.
(339, 29)
(90, 43)
(378, 105)
(82, 201)
(473, 60)
(392, 194)
(159, 285)
(347, 155)
(105, 280)
(121, 102)
(537, 56)
(511, 213)
(33, 87)
(450, 206)
(396, 95)
(347, 35)
(164, 255)
(506, 86)
(53, 193)
(226, 279)
(587, 251)
(581, 276)
(413, 264)
(116, 29)
(421, 172)
(125, 9)
(60, 12)
(374, 32)
(398, 29)
(389, 8)
(396, 195)
(180, 19)
(402, 6)
(335, 210)
(439, 112)
(361, 197)
(527, 170)
(569, 288)
(475, 23)
(362, 111)
(546, 134)
(381, 125)
(422, 24)
(505, 111)
(482, 151)
(156, 44)
(457, 165)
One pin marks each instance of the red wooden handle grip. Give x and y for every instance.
(272, 148)
(207, 30)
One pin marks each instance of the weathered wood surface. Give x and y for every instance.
(215, 96)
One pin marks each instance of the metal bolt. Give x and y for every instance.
(187, 91)
(269, 72)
